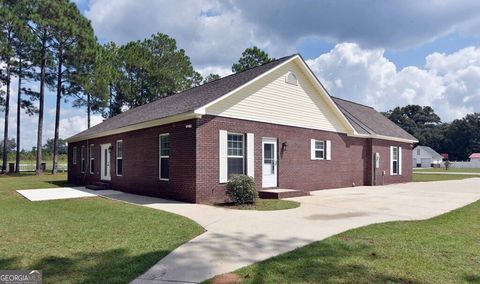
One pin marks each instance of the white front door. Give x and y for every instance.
(105, 159)
(269, 162)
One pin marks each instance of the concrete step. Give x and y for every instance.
(280, 193)
(99, 185)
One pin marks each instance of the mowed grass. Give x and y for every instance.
(264, 205)
(86, 240)
(418, 177)
(445, 249)
(450, 170)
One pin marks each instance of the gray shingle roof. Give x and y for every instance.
(182, 102)
(429, 150)
(366, 120)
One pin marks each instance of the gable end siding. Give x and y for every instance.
(270, 99)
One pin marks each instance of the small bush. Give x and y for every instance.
(241, 189)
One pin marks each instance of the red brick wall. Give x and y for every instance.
(383, 148)
(140, 162)
(194, 159)
(349, 164)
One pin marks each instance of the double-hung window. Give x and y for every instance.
(74, 155)
(319, 149)
(82, 159)
(235, 154)
(394, 161)
(92, 159)
(164, 156)
(119, 158)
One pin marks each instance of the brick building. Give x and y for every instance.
(275, 122)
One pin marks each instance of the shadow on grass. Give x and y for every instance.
(112, 266)
(321, 262)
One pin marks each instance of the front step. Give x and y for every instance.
(99, 185)
(279, 193)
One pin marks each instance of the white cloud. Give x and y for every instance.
(215, 32)
(450, 83)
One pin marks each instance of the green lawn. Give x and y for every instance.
(445, 249)
(265, 205)
(86, 240)
(433, 177)
(442, 170)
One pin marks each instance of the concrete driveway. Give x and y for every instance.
(236, 238)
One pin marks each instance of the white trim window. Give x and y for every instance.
(395, 160)
(320, 149)
(235, 154)
(92, 158)
(82, 159)
(119, 158)
(74, 155)
(164, 156)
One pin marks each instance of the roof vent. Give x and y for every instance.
(291, 78)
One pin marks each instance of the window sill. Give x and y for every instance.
(318, 159)
(164, 179)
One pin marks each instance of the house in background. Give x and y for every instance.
(275, 123)
(426, 157)
(474, 157)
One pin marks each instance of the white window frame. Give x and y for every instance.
(160, 156)
(392, 160)
(91, 157)
(82, 159)
(74, 155)
(237, 156)
(119, 158)
(315, 150)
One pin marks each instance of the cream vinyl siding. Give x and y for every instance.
(270, 99)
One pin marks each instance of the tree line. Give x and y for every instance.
(459, 138)
(50, 45)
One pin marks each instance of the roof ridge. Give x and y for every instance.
(345, 100)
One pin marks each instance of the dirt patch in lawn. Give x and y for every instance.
(227, 278)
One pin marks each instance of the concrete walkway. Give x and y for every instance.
(57, 193)
(237, 238)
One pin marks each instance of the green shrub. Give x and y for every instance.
(241, 189)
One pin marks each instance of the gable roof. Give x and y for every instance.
(362, 119)
(430, 151)
(474, 156)
(179, 103)
(367, 121)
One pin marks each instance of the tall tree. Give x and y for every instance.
(251, 57)
(92, 79)
(22, 68)
(41, 24)
(151, 69)
(72, 38)
(8, 21)
(211, 77)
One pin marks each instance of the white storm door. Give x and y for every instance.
(105, 159)
(269, 162)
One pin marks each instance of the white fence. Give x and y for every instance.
(464, 164)
(31, 167)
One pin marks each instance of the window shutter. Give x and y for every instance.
(391, 160)
(312, 149)
(328, 145)
(222, 167)
(400, 160)
(250, 155)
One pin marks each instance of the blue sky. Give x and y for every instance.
(380, 53)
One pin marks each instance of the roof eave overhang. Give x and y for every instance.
(138, 126)
(383, 137)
